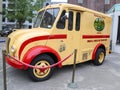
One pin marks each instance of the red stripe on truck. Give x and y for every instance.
(25, 43)
(95, 36)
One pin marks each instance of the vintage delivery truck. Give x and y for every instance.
(57, 31)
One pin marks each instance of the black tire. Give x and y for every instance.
(45, 60)
(99, 58)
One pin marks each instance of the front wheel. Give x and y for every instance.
(100, 56)
(41, 61)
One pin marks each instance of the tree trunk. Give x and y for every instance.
(20, 24)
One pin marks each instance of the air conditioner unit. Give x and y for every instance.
(80, 1)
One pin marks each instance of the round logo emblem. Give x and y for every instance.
(99, 24)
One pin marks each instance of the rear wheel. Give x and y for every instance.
(41, 61)
(100, 56)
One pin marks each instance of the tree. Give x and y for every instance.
(22, 10)
(38, 4)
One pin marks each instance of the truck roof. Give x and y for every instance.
(75, 7)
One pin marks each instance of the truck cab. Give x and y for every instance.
(58, 30)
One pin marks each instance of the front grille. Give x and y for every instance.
(7, 44)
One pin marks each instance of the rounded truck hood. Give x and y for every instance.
(25, 34)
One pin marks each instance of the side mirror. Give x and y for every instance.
(66, 16)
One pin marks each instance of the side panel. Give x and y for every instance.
(92, 38)
(37, 41)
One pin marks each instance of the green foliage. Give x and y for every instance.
(21, 10)
(38, 4)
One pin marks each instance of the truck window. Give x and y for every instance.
(61, 21)
(45, 19)
(70, 20)
(38, 19)
(77, 21)
(49, 18)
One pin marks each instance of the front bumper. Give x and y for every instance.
(14, 63)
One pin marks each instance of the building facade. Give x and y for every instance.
(0, 14)
(98, 5)
(114, 12)
(7, 21)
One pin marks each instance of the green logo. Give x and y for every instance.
(99, 24)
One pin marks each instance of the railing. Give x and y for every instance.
(71, 85)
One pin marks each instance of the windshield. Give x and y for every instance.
(38, 19)
(45, 19)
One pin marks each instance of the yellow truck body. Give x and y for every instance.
(57, 31)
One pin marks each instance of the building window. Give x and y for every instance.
(11, 18)
(3, 19)
(4, 6)
(107, 1)
(80, 1)
(11, 6)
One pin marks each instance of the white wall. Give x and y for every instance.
(115, 18)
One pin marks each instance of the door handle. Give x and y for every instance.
(61, 41)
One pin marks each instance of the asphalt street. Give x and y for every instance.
(87, 76)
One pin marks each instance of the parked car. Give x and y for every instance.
(5, 31)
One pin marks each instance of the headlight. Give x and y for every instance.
(12, 49)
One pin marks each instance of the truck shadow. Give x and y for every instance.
(21, 75)
(82, 67)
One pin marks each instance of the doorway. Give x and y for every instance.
(118, 33)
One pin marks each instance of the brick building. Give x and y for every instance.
(98, 5)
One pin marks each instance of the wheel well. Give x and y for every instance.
(96, 48)
(103, 47)
(52, 56)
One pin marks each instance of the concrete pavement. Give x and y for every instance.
(87, 77)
